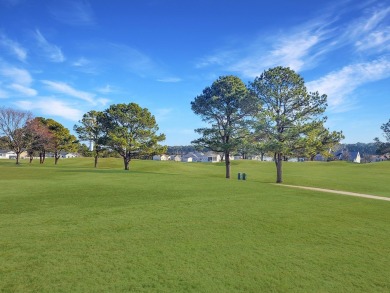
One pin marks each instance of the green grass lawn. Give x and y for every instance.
(182, 227)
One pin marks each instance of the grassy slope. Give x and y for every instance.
(168, 226)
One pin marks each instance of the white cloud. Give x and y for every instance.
(107, 89)
(378, 40)
(19, 76)
(369, 31)
(374, 20)
(13, 47)
(305, 45)
(52, 51)
(85, 65)
(170, 79)
(299, 48)
(52, 107)
(18, 80)
(339, 85)
(220, 58)
(81, 62)
(25, 91)
(292, 51)
(61, 87)
(102, 101)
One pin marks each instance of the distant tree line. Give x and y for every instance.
(384, 147)
(124, 130)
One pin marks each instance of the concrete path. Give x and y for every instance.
(338, 192)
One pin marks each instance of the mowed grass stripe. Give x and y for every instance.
(173, 227)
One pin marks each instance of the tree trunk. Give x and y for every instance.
(56, 157)
(31, 158)
(279, 173)
(126, 161)
(96, 160)
(227, 164)
(17, 158)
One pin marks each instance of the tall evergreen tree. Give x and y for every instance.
(289, 109)
(226, 106)
(132, 131)
(91, 129)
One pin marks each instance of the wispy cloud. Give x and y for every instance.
(219, 58)
(169, 79)
(64, 88)
(372, 31)
(19, 76)
(73, 12)
(13, 47)
(298, 48)
(24, 90)
(107, 89)
(102, 101)
(378, 40)
(292, 51)
(67, 90)
(51, 51)
(18, 80)
(305, 45)
(85, 65)
(50, 106)
(339, 85)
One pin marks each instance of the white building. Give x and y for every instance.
(161, 158)
(4, 154)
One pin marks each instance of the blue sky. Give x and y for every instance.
(60, 59)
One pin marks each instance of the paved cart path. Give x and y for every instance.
(338, 192)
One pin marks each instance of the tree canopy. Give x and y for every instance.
(226, 106)
(39, 138)
(384, 147)
(289, 111)
(91, 128)
(13, 128)
(62, 139)
(386, 130)
(131, 131)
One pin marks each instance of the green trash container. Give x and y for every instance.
(243, 176)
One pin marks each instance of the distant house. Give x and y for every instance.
(161, 158)
(348, 156)
(187, 158)
(175, 158)
(209, 157)
(5, 154)
(384, 157)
